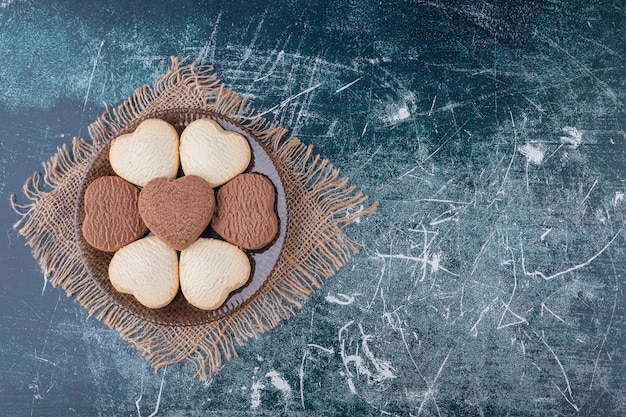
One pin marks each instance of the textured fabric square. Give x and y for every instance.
(315, 204)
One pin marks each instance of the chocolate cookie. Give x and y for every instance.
(177, 211)
(245, 214)
(112, 218)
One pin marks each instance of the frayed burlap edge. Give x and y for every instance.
(320, 204)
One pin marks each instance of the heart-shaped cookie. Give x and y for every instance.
(215, 154)
(147, 269)
(246, 214)
(210, 269)
(111, 215)
(177, 211)
(151, 151)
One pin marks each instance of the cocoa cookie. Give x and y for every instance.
(177, 211)
(245, 214)
(112, 217)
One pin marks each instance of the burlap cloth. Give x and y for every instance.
(312, 246)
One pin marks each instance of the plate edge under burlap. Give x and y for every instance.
(320, 204)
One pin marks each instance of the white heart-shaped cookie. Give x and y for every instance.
(151, 151)
(210, 269)
(147, 269)
(210, 152)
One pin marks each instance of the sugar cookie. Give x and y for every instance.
(215, 154)
(147, 269)
(151, 151)
(210, 269)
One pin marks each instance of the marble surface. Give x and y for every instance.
(491, 281)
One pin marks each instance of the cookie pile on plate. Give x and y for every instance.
(153, 218)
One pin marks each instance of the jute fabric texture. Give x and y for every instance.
(320, 203)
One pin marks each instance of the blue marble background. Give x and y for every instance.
(492, 278)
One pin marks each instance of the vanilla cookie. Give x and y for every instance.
(210, 269)
(147, 269)
(151, 151)
(210, 152)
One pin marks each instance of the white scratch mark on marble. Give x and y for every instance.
(351, 386)
(480, 253)
(322, 348)
(544, 307)
(341, 299)
(574, 137)
(301, 376)
(383, 369)
(45, 283)
(350, 84)
(568, 388)
(93, 71)
(474, 329)
(608, 327)
(437, 200)
(207, 52)
(286, 101)
(589, 192)
(432, 106)
(279, 58)
(281, 385)
(508, 169)
(533, 153)
(350, 212)
(212, 39)
(369, 160)
(255, 394)
(434, 261)
(507, 306)
(140, 397)
(568, 270)
(365, 129)
(380, 280)
(430, 394)
(402, 113)
(454, 217)
(301, 372)
(158, 401)
(248, 51)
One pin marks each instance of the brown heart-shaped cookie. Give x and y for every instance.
(177, 211)
(111, 216)
(245, 214)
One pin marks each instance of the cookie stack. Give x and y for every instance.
(168, 192)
